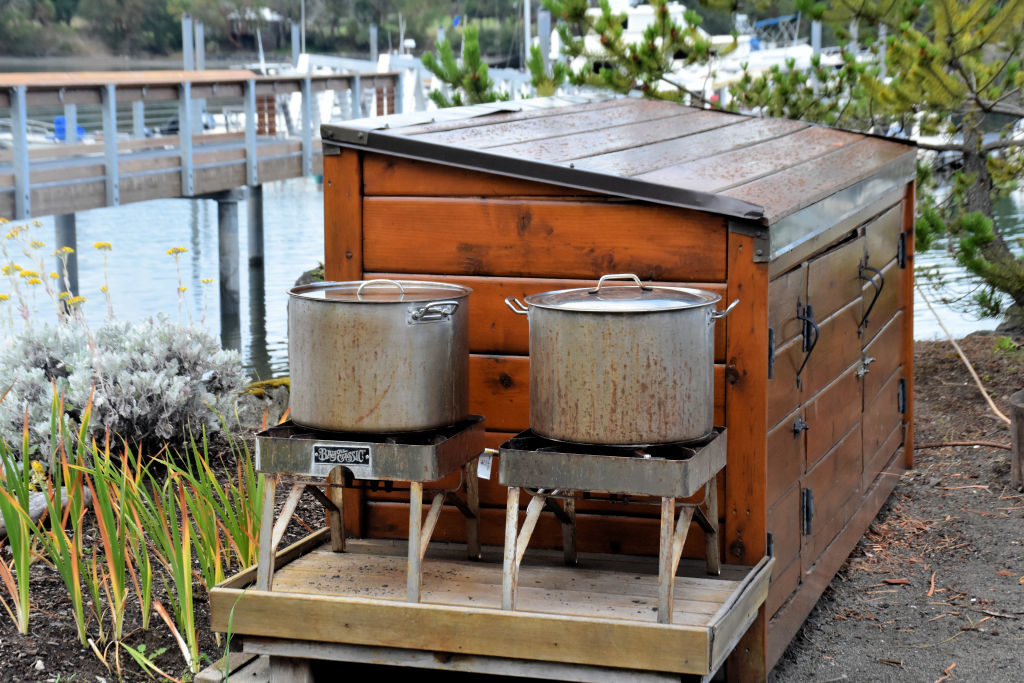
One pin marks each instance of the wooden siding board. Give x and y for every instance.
(832, 413)
(389, 176)
(537, 238)
(883, 235)
(833, 278)
(835, 481)
(783, 294)
(785, 456)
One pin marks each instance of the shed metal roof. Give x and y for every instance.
(759, 169)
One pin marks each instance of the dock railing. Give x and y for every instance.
(121, 137)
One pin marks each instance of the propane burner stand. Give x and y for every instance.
(312, 458)
(552, 471)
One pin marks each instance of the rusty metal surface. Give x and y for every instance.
(750, 168)
(622, 378)
(424, 456)
(520, 466)
(495, 133)
(765, 157)
(796, 187)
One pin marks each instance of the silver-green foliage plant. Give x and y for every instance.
(152, 378)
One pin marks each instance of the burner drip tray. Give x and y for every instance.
(675, 470)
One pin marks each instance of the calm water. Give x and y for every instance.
(144, 280)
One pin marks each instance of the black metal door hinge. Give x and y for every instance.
(901, 250)
(770, 545)
(771, 352)
(807, 510)
(901, 396)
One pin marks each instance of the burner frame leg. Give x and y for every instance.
(711, 545)
(670, 550)
(569, 531)
(265, 567)
(473, 503)
(516, 541)
(336, 517)
(414, 575)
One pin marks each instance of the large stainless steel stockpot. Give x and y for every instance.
(378, 355)
(620, 364)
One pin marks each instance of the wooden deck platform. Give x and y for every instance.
(594, 615)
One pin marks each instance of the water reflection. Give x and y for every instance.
(259, 354)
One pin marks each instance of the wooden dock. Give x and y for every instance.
(121, 164)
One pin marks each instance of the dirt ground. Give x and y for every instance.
(934, 591)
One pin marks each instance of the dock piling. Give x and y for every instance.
(66, 236)
(228, 257)
(255, 226)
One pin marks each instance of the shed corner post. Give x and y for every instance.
(746, 419)
(908, 323)
(343, 214)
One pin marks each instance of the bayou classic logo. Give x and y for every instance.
(326, 457)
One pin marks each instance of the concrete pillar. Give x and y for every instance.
(295, 45)
(67, 237)
(544, 33)
(188, 47)
(256, 226)
(373, 43)
(228, 255)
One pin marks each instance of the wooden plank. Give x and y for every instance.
(449, 581)
(790, 617)
(785, 456)
(889, 301)
(875, 462)
(722, 171)
(639, 131)
(709, 135)
(832, 278)
(494, 329)
(835, 482)
(784, 526)
(883, 235)
(499, 387)
(831, 414)
(783, 293)
(882, 414)
(783, 393)
(820, 177)
(538, 238)
(907, 287)
(838, 348)
(389, 176)
(343, 224)
(735, 617)
(467, 630)
(784, 583)
(746, 417)
(885, 355)
(488, 133)
(596, 533)
(247, 575)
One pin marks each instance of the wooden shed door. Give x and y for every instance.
(834, 397)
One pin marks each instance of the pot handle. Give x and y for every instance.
(715, 315)
(618, 276)
(433, 312)
(517, 306)
(380, 281)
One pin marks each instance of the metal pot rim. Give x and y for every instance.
(378, 291)
(624, 299)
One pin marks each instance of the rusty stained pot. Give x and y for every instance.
(378, 355)
(623, 365)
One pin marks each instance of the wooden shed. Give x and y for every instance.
(810, 228)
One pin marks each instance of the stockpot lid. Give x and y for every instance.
(630, 297)
(379, 291)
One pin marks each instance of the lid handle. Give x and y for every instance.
(380, 281)
(618, 276)
(516, 305)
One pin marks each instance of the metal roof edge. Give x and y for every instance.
(538, 171)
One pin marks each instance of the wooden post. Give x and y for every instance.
(908, 324)
(1017, 433)
(746, 416)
